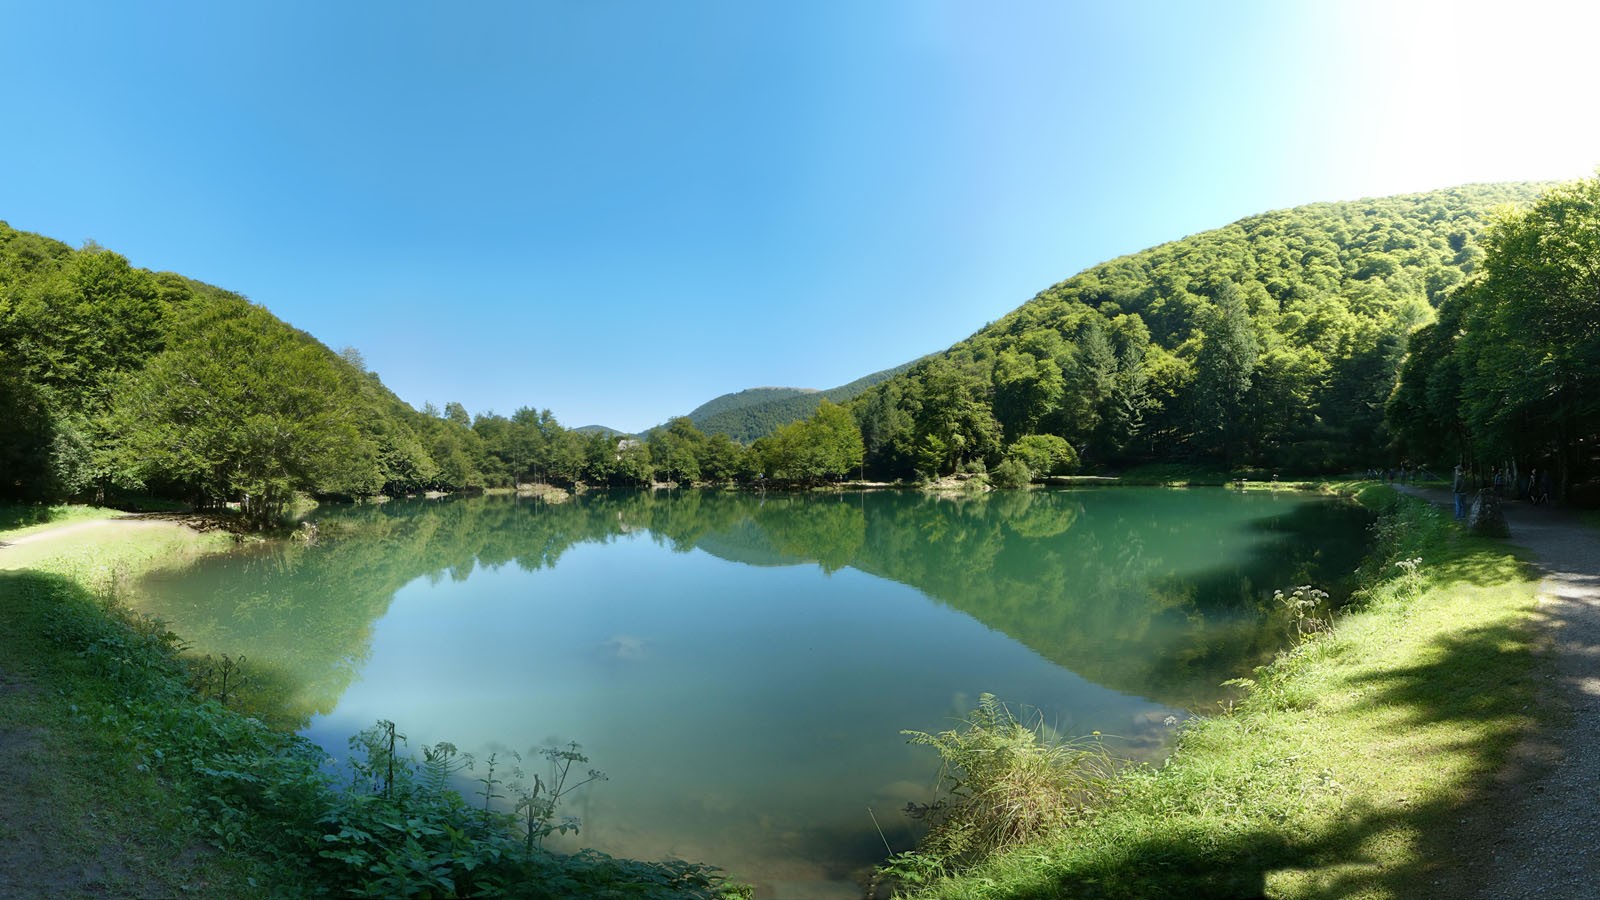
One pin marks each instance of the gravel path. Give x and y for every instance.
(1544, 840)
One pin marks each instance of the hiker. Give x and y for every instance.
(1459, 487)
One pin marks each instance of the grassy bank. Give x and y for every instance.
(1348, 768)
(84, 813)
(129, 776)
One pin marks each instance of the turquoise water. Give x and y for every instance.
(741, 666)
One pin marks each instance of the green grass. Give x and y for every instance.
(1349, 765)
(81, 785)
(17, 520)
(98, 557)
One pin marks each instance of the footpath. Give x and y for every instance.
(1538, 834)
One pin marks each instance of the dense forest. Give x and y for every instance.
(120, 383)
(1274, 342)
(1507, 376)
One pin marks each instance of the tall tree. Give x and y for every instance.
(676, 450)
(1223, 366)
(1531, 332)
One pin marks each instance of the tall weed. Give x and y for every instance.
(1003, 783)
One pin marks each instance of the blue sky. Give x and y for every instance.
(620, 210)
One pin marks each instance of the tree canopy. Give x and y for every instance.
(1510, 372)
(1273, 341)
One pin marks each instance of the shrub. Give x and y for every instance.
(1046, 454)
(1003, 783)
(1012, 473)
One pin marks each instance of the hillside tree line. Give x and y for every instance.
(1278, 341)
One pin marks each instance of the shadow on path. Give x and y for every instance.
(1538, 833)
(1211, 860)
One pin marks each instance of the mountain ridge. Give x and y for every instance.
(755, 412)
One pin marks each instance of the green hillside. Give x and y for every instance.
(124, 385)
(117, 378)
(1273, 341)
(757, 412)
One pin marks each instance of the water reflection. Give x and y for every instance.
(741, 665)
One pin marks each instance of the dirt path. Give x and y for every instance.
(60, 531)
(1544, 829)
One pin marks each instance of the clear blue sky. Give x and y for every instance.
(620, 210)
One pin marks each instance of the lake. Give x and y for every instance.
(741, 665)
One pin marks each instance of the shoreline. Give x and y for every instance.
(1215, 743)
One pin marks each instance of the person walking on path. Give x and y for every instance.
(1459, 488)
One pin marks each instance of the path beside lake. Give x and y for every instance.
(1538, 833)
(60, 834)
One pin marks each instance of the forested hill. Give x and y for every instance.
(115, 378)
(1273, 341)
(121, 384)
(757, 412)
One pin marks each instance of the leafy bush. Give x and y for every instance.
(1013, 473)
(1046, 454)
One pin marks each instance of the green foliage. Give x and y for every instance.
(118, 377)
(1274, 341)
(1045, 454)
(1223, 366)
(1509, 370)
(825, 447)
(675, 450)
(239, 407)
(1011, 473)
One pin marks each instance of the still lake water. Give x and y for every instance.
(741, 665)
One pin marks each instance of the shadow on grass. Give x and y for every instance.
(1479, 679)
(28, 514)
